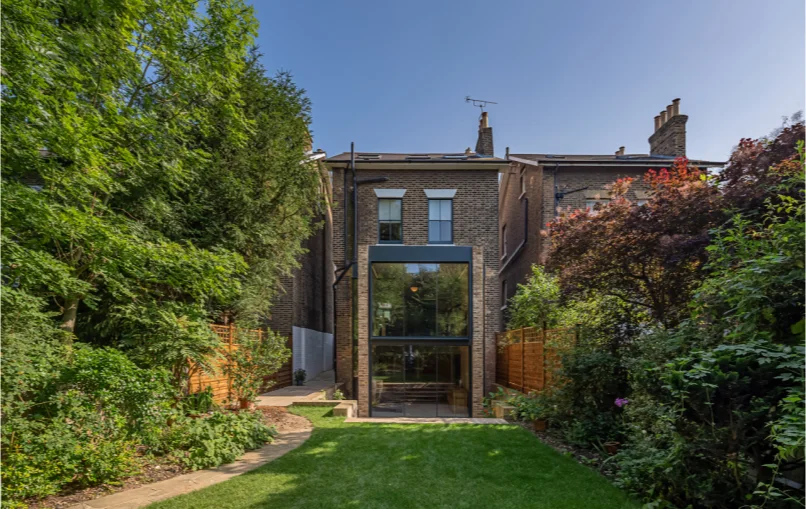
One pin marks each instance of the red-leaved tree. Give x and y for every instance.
(646, 255)
(652, 255)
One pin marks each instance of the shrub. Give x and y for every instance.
(219, 438)
(717, 414)
(529, 407)
(81, 429)
(72, 415)
(199, 402)
(257, 356)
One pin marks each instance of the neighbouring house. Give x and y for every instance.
(536, 187)
(417, 293)
(303, 310)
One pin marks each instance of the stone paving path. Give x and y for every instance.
(287, 396)
(421, 420)
(150, 493)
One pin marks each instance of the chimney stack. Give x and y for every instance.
(669, 138)
(484, 144)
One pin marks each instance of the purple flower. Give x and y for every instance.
(620, 402)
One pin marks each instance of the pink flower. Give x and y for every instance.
(620, 402)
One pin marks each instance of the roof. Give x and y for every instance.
(388, 157)
(609, 160)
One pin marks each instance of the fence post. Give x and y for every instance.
(543, 359)
(523, 362)
(229, 351)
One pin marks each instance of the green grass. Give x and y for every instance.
(412, 465)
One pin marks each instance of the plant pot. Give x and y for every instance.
(245, 404)
(612, 447)
(540, 424)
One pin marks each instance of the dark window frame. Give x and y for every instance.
(380, 241)
(439, 221)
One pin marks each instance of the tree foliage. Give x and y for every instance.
(154, 176)
(712, 369)
(154, 180)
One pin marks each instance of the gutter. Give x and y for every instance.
(617, 163)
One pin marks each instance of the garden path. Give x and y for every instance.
(145, 495)
(287, 396)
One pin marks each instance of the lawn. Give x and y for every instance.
(408, 465)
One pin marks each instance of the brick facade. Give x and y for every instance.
(305, 298)
(526, 206)
(475, 224)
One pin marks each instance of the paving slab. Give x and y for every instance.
(312, 390)
(429, 420)
(150, 493)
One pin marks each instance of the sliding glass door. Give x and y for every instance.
(416, 380)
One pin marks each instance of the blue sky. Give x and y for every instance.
(569, 76)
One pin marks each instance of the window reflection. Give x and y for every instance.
(420, 299)
(420, 381)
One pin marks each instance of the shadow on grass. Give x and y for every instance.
(412, 465)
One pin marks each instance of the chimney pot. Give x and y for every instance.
(663, 117)
(484, 121)
(676, 107)
(507, 156)
(468, 151)
(621, 151)
(657, 122)
(669, 113)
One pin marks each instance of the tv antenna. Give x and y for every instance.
(478, 102)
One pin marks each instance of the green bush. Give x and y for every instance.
(219, 438)
(256, 358)
(529, 407)
(72, 415)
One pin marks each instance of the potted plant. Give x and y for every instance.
(257, 356)
(299, 376)
(531, 408)
(612, 447)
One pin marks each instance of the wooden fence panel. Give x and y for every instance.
(218, 380)
(527, 359)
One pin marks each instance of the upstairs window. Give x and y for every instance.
(440, 221)
(390, 222)
(596, 206)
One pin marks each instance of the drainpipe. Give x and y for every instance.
(554, 182)
(352, 260)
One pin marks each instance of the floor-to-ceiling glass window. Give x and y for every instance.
(412, 303)
(420, 380)
(420, 300)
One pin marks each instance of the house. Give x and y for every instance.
(416, 294)
(303, 309)
(535, 187)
